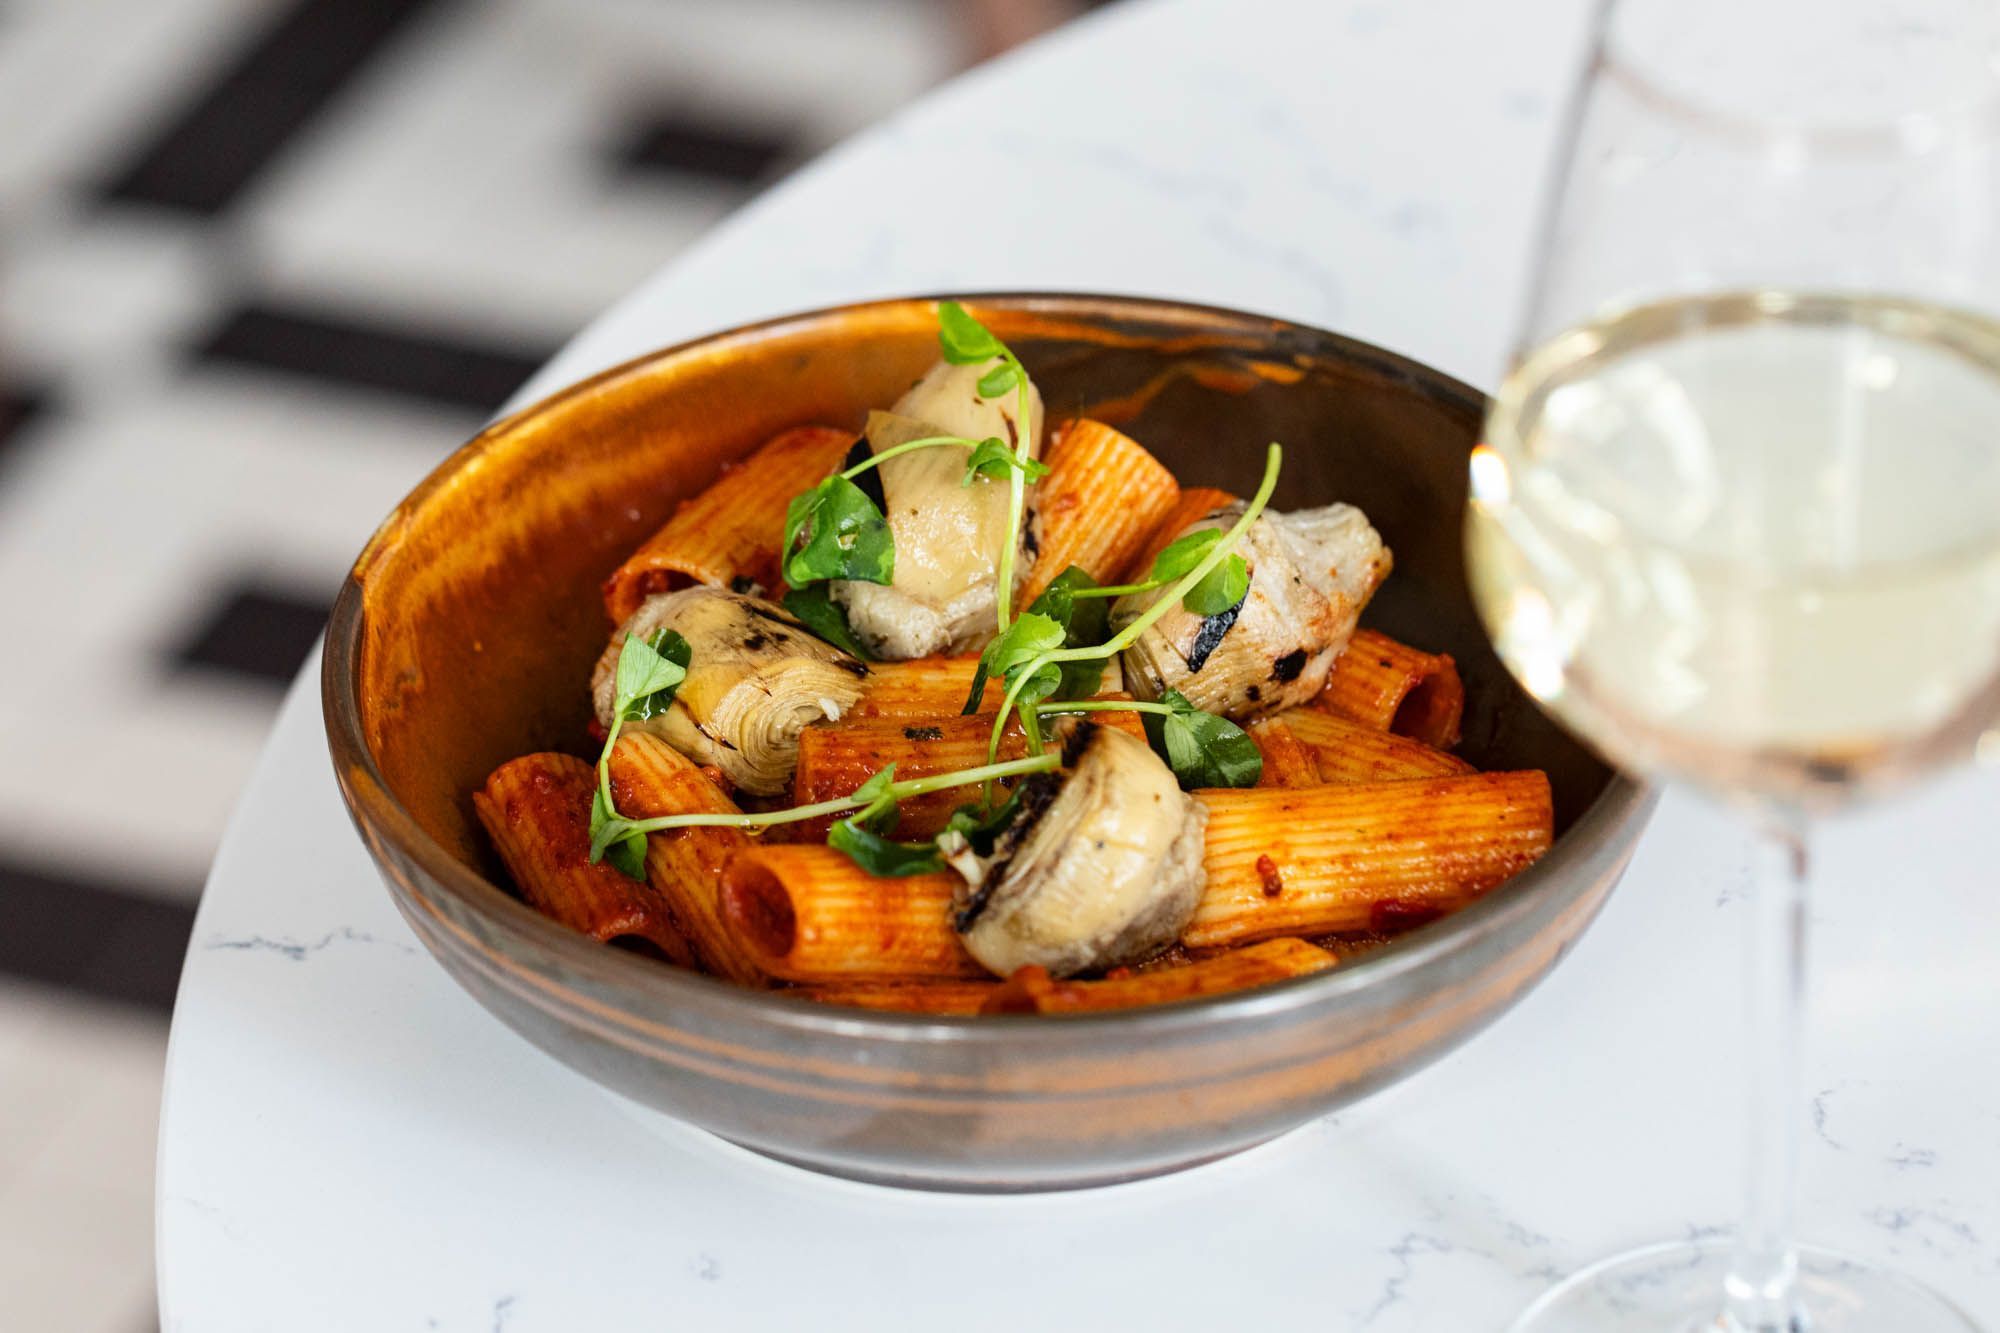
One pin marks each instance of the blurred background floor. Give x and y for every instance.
(262, 265)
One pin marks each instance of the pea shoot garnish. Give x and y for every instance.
(964, 341)
(818, 612)
(649, 673)
(875, 798)
(837, 529)
(1203, 749)
(1033, 675)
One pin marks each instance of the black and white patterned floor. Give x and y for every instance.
(262, 264)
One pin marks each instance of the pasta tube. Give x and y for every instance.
(1364, 856)
(1103, 497)
(834, 760)
(933, 687)
(923, 687)
(1287, 761)
(808, 913)
(727, 535)
(537, 810)
(1345, 751)
(1031, 990)
(904, 997)
(650, 778)
(1391, 686)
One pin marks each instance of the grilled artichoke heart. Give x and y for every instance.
(1101, 868)
(948, 396)
(756, 677)
(1311, 572)
(948, 535)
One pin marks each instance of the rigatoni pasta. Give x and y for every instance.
(1391, 686)
(1340, 750)
(923, 687)
(684, 866)
(808, 913)
(537, 811)
(1287, 761)
(927, 687)
(1103, 498)
(1313, 860)
(776, 805)
(904, 997)
(727, 535)
(834, 760)
(1033, 991)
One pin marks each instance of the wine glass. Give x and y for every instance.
(1737, 515)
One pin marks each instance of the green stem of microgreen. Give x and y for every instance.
(1125, 638)
(1217, 553)
(1007, 706)
(604, 763)
(1017, 492)
(908, 446)
(1040, 763)
(1095, 706)
(1115, 589)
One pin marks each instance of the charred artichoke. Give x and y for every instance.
(1311, 572)
(1101, 867)
(947, 535)
(755, 679)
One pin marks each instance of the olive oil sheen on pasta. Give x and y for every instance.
(1753, 539)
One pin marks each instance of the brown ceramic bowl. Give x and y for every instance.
(467, 630)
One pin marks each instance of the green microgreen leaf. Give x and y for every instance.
(614, 839)
(1203, 749)
(650, 672)
(992, 458)
(1218, 590)
(1183, 554)
(835, 531)
(628, 854)
(875, 791)
(1085, 622)
(998, 380)
(863, 835)
(962, 338)
(979, 823)
(1013, 649)
(883, 856)
(825, 617)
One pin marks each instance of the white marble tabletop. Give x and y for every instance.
(349, 1142)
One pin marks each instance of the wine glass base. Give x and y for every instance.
(1677, 1288)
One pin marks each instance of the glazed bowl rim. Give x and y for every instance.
(1617, 812)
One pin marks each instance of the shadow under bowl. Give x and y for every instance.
(467, 630)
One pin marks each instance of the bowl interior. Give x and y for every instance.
(480, 612)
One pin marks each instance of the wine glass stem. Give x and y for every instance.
(1760, 1292)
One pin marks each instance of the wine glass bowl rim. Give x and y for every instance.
(1912, 132)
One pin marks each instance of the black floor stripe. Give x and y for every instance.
(684, 145)
(254, 630)
(102, 940)
(203, 156)
(435, 364)
(19, 405)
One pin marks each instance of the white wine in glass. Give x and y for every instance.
(1753, 539)
(1737, 514)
